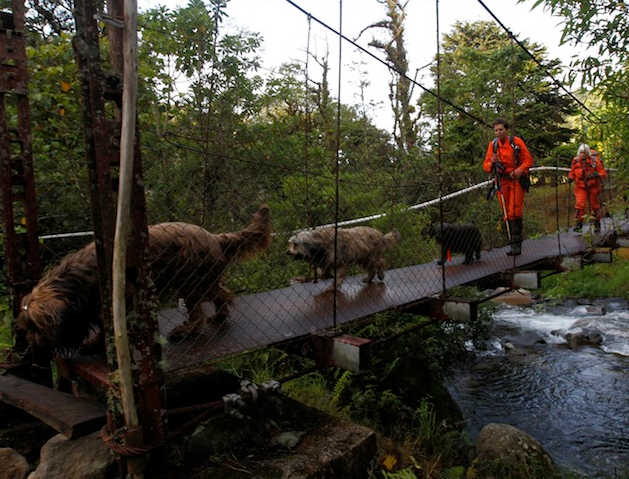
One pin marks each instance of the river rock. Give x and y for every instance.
(83, 458)
(14, 465)
(514, 297)
(503, 451)
(595, 309)
(584, 338)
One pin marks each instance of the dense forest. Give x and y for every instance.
(234, 137)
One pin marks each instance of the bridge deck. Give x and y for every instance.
(273, 317)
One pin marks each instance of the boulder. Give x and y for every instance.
(584, 338)
(83, 458)
(516, 297)
(14, 465)
(503, 451)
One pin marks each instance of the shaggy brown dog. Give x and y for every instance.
(360, 245)
(64, 307)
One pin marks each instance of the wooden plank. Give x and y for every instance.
(296, 311)
(71, 416)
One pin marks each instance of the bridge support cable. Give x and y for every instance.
(440, 139)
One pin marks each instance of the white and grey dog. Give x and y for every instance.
(359, 245)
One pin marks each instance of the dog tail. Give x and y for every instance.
(254, 239)
(391, 238)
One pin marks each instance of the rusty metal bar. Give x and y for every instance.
(19, 209)
(17, 187)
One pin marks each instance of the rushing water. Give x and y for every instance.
(574, 402)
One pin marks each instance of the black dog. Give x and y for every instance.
(458, 238)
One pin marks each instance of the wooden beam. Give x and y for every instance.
(71, 416)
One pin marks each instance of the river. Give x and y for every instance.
(575, 402)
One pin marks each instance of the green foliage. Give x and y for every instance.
(602, 27)
(401, 401)
(315, 390)
(58, 148)
(6, 318)
(417, 471)
(482, 72)
(340, 386)
(593, 281)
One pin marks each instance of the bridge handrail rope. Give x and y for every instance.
(363, 219)
(436, 201)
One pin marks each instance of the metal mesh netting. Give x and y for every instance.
(249, 204)
(223, 292)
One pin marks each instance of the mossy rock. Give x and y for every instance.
(505, 452)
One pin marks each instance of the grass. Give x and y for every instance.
(593, 281)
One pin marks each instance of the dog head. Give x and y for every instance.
(304, 245)
(392, 238)
(434, 231)
(63, 308)
(41, 311)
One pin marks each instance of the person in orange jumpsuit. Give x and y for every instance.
(509, 159)
(587, 172)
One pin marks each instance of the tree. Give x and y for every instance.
(204, 121)
(58, 148)
(484, 74)
(602, 27)
(50, 18)
(405, 119)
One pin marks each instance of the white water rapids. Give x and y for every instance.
(575, 402)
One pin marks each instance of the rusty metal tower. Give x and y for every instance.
(19, 208)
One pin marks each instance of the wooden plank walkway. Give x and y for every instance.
(296, 311)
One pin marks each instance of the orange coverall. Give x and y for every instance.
(587, 186)
(512, 191)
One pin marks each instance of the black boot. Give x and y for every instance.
(516, 237)
(578, 227)
(597, 221)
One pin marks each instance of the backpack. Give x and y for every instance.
(516, 148)
(524, 180)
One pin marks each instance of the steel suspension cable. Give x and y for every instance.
(555, 81)
(439, 145)
(511, 83)
(337, 160)
(390, 67)
(309, 219)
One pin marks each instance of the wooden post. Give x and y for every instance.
(123, 223)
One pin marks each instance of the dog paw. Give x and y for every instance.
(219, 318)
(189, 328)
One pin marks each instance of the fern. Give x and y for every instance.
(341, 386)
(456, 472)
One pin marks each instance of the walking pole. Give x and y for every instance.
(502, 200)
(586, 181)
(569, 215)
